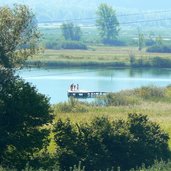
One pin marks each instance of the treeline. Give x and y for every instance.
(108, 33)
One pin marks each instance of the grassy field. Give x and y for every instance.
(96, 56)
(156, 106)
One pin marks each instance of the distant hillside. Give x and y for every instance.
(52, 10)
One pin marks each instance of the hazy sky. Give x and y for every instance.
(47, 10)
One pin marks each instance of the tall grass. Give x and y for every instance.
(158, 166)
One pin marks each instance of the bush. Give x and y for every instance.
(73, 45)
(52, 45)
(150, 92)
(102, 144)
(133, 97)
(122, 98)
(113, 42)
(150, 42)
(159, 49)
(160, 62)
(66, 45)
(73, 105)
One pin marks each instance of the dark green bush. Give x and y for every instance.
(73, 45)
(52, 45)
(161, 62)
(66, 45)
(113, 42)
(102, 144)
(159, 49)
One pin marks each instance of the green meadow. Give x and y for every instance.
(101, 56)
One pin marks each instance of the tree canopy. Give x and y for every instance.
(24, 112)
(71, 32)
(23, 115)
(18, 35)
(107, 23)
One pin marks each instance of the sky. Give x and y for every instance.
(66, 9)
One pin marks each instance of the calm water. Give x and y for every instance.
(55, 82)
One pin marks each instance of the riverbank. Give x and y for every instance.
(101, 56)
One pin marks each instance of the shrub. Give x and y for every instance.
(113, 42)
(73, 45)
(150, 42)
(160, 62)
(66, 45)
(150, 92)
(159, 49)
(117, 99)
(102, 144)
(52, 45)
(73, 105)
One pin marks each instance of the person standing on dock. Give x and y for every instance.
(74, 87)
(71, 87)
(77, 87)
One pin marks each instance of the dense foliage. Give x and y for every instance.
(159, 49)
(18, 35)
(102, 144)
(66, 45)
(107, 23)
(135, 96)
(71, 32)
(23, 115)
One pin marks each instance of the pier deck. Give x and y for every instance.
(85, 94)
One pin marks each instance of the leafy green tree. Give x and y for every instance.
(159, 41)
(107, 23)
(18, 35)
(71, 32)
(24, 115)
(140, 40)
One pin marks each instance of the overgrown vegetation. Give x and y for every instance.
(19, 35)
(66, 45)
(159, 49)
(134, 97)
(101, 144)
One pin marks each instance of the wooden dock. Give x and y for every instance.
(85, 94)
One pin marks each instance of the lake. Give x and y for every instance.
(55, 82)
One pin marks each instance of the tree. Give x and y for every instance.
(18, 35)
(71, 32)
(159, 41)
(107, 23)
(24, 115)
(140, 40)
(101, 143)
